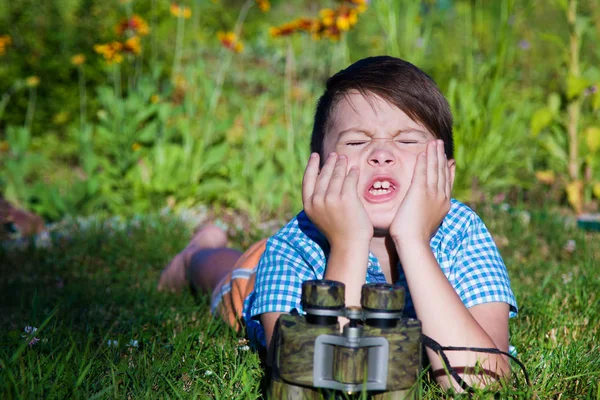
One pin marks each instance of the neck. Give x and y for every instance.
(384, 249)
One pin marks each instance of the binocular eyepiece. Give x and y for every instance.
(377, 352)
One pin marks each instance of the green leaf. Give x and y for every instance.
(576, 85)
(596, 99)
(592, 138)
(554, 103)
(541, 119)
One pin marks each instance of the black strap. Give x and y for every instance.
(439, 349)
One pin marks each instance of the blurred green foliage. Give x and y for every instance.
(186, 120)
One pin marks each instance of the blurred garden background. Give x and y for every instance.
(131, 112)
(126, 107)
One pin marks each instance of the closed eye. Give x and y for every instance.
(408, 141)
(356, 143)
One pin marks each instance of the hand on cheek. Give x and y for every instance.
(427, 200)
(331, 201)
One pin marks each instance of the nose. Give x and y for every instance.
(381, 156)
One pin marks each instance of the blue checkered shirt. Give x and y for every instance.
(462, 246)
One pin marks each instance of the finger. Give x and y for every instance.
(432, 165)
(448, 181)
(350, 185)
(442, 167)
(325, 175)
(420, 171)
(310, 177)
(338, 176)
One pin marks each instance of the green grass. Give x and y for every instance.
(100, 286)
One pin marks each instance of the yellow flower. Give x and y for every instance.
(327, 16)
(180, 11)
(78, 59)
(230, 41)
(136, 146)
(154, 99)
(264, 5)
(132, 45)
(32, 81)
(5, 41)
(110, 51)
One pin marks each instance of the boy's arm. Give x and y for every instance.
(443, 315)
(331, 202)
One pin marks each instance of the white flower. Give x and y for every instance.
(570, 246)
(504, 206)
(208, 372)
(525, 217)
(30, 329)
(113, 343)
(132, 343)
(244, 348)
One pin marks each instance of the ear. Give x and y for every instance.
(452, 167)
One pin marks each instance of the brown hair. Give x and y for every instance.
(396, 81)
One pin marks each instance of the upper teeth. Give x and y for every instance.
(381, 184)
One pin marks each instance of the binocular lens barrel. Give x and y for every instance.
(383, 304)
(323, 301)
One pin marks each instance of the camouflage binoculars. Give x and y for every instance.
(377, 355)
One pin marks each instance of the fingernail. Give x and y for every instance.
(313, 155)
(342, 157)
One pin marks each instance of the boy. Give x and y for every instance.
(377, 208)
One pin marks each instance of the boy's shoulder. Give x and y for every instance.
(300, 231)
(460, 220)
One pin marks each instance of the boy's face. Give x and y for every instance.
(383, 142)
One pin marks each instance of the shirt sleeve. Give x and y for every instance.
(279, 277)
(480, 275)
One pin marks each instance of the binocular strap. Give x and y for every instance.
(439, 349)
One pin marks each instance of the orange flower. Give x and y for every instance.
(110, 51)
(230, 41)
(132, 45)
(4, 146)
(136, 24)
(264, 5)
(180, 11)
(78, 59)
(5, 41)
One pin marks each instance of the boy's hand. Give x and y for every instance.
(428, 198)
(331, 201)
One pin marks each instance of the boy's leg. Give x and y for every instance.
(202, 264)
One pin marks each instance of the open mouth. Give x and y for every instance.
(381, 188)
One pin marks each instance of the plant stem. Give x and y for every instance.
(82, 98)
(574, 108)
(30, 108)
(216, 95)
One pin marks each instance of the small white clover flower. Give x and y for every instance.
(30, 329)
(244, 348)
(208, 372)
(570, 246)
(524, 217)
